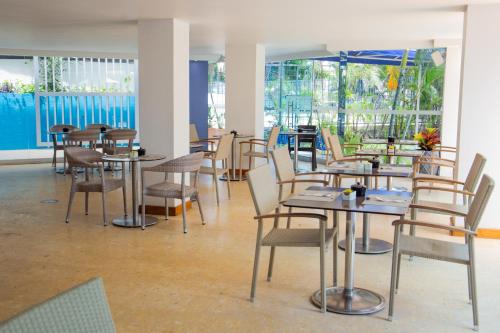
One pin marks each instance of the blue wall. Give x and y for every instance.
(17, 121)
(198, 96)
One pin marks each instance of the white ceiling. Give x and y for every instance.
(284, 26)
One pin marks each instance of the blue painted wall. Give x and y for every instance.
(198, 96)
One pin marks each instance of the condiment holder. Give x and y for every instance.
(359, 189)
(348, 195)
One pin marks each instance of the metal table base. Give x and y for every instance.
(361, 301)
(374, 246)
(128, 221)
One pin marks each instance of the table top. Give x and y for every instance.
(298, 133)
(383, 152)
(385, 170)
(355, 205)
(127, 158)
(384, 141)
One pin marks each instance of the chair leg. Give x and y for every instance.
(395, 254)
(289, 219)
(54, 157)
(104, 213)
(216, 187)
(271, 264)
(397, 273)
(70, 203)
(166, 209)
(197, 196)
(256, 261)
(86, 203)
(124, 191)
(184, 225)
(241, 165)
(469, 286)
(475, 314)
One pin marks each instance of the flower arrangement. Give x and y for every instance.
(428, 138)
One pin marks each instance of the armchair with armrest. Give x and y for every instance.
(268, 145)
(266, 199)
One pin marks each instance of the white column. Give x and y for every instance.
(480, 103)
(451, 96)
(245, 69)
(164, 87)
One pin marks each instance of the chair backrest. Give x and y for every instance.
(306, 129)
(283, 164)
(121, 134)
(263, 189)
(77, 137)
(325, 134)
(186, 163)
(83, 308)
(479, 202)
(193, 133)
(273, 137)
(224, 147)
(61, 127)
(337, 152)
(98, 126)
(474, 173)
(82, 157)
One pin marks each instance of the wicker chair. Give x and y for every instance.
(118, 141)
(222, 155)
(81, 309)
(266, 199)
(268, 145)
(196, 143)
(185, 164)
(87, 138)
(453, 209)
(286, 175)
(460, 253)
(79, 157)
(58, 128)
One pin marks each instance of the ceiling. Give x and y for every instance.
(286, 27)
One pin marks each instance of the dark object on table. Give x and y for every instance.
(103, 129)
(65, 130)
(359, 189)
(306, 142)
(391, 139)
(234, 132)
(141, 151)
(375, 162)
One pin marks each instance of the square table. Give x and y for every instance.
(365, 244)
(349, 299)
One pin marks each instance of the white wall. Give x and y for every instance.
(16, 70)
(164, 88)
(245, 69)
(480, 102)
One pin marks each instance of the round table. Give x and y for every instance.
(134, 221)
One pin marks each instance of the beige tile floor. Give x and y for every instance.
(161, 280)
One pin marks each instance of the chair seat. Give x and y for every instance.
(441, 205)
(210, 171)
(296, 237)
(434, 249)
(255, 154)
(168, 190)
(94, 185)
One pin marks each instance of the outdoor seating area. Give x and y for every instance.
(180, 167)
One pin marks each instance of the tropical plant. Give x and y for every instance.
(428, 138)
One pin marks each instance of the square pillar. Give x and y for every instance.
(479, 104)
(163, 89)
(245, 70)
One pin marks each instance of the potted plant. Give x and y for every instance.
(428, 139)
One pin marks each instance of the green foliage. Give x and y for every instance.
(17, 87)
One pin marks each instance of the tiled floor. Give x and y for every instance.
(161, 280)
